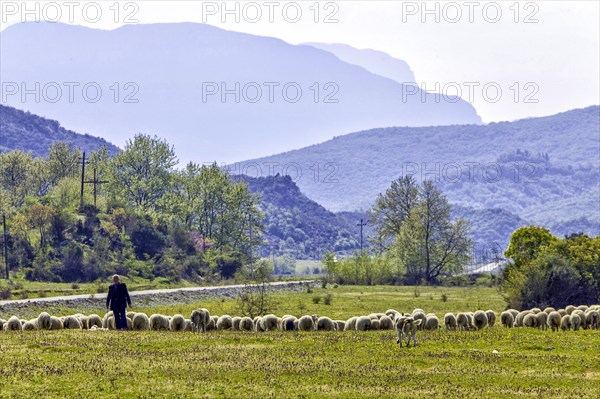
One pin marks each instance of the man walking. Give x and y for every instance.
(117, 300)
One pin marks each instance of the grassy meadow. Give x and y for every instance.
(227, 364)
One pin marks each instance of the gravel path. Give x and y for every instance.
(88, 303)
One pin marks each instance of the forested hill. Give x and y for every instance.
(21, 130)
(298, 226)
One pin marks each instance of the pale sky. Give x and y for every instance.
(544, 56)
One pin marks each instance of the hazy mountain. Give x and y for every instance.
(20, 130)
(156, 79)
(374, 61)
(544, 170)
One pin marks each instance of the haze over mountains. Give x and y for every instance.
(171, 71)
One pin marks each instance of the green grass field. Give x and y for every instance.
(529, 363)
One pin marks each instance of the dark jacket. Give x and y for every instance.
(118, 297)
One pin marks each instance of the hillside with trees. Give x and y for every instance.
(24, 131)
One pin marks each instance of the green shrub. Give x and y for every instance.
(316, 299)
(328, 299)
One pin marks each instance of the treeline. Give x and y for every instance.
(549, 271)
(149, 219)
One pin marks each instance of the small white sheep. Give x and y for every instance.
(94, 320)
(386, 323)
(536, 310)
(464, 321)
(212, 323)
(520, 317)
(200, 319)
(307, 323)
(530, 320)
(140, 322)
(224, 322)
(350, 324)
(44, 321)
(491, 315)
(374, 324)
(450, 322)
(565, 323)
(177, 323)
(406, 327)
(562, 312)
(392, 313)
(324, 323)
(542, 320)
(363, 323)
(269, 322)
(432, 322)
(288, 323)
(575, 321)
(507, 319)
(569, 309)
(159, 322)
(592, 319)
(188, 326)
(236, 323)
(554, 320)
(339, 325)
(84, 321)
(246, 324)
(418, 314)
(30, 325)
(72, 323)
(549, 310)
(56, 323)
(14, 324)
(581, 314)
(480, 320)
(514, 313)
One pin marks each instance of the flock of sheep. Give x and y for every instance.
(406, 325)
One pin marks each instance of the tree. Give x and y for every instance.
(141, 174)
(392, 209)
(526, 243)
(40, 217)
(254, 300)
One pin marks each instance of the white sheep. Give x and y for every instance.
(130, 314)
(542, 320)
(575, 321)
(307, 323)
(30, 325)
(491, 315)
(350, 324)
(363, 323)
(536, 310)
(464, 321)
(450, 322)
(480, 320)
(14, 324)
(84, 321)
(432, 322)
(288, 323)
(392, 313)
(549, 310)
(530, 320)
(188, 326)
(386, 323)
(212, 323)
(246, 324)
(406, 327)
(581, 314)
(554, 320)
(418, 314)
(94, 320)
(340, 324)
(569, 309)
(106, 317)
(159, 322)
(56, 323)
(177, 323)
(224, 322)
(324, 323)
(520, 317)
(44, 321)
(507, 319)
(72, 323)
(269, 322)
(562, 312)
(235, 321)
(140, 322)
(200, 319)
(592, 319)
(565, 323)
(374, 324)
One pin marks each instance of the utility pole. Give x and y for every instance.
(82, 180)
(361, 224)
(5, 244)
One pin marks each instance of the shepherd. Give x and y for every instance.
(117, 300)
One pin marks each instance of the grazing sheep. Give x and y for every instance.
(375, 316)
(575, 321)
(2, 322)
(44, 321)
(565, 323)
(246, 324)
(514, 313)
(450, 322)
(569, 309)
(581, 314)
(406, 327)
(592, 319)
(94, 320)
(177, 323)
(212, 323)
(520, 317)
(340, 324)
(432, 323)
(188, 326)
(71, 323)
(224, 322)
(392, 313)
(96, 328)
(200, 319)
(491, 315)
(350, 324)
(307, 323)
(235, 323)
(159, 322)
(542, 320)
(140, 322)
(269, 322)
(326, 324)
(562, 312)
(30, 325)
(386, 323)
(418, 314)
(56, 323)
(549, 310)
(480, 320)
(363, 323)
(288, 323)
(84, 321)
(105, 319)
(536, 310)
(463, 320)
(374, 324)
(553, 321)
(110, 323)
(131, 315)
(507, 319)
(530, 320)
